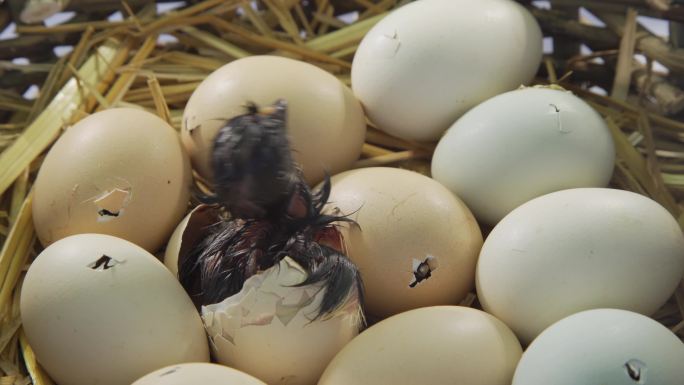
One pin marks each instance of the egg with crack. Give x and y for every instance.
(272, 320)
(97, 309)
(121, 172)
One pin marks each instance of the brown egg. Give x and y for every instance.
(325, 121)
(416, 244)
(121, 172)
(442, 345)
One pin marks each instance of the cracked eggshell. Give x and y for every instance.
(409, 225)
(436, 345)
(188, 233)
(100, 310)
(198, 373)
(325, 122)
(576, 250)
(121, 172)
(524, 143)
(603, 347)
(268, 329)
(423, 65)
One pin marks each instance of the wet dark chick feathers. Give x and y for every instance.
(273, 214)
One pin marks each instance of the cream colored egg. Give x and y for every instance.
(121, 172)
(100, 310)
(325, 122)
(270, 330)
(442, 345)
(416, 244)
(576, 250)
(197, 373)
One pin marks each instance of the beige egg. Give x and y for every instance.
(270, 330)
(197, 373)
(442, 345)
(100, 310)
(188, 233)
(416, 244)
(121, 172)
(325, 122)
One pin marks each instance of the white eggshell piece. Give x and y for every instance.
(268, 329)
(428, 62)
(520, 145)
(197, 373)
(603, 347)
(100, 310)
(577, 250)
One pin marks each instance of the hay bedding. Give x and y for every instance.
(155, 60)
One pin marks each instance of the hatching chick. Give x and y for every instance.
(273, 214)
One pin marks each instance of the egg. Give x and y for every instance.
(197, 373)
(270, 330)
(416, 243)
(521, 145)
(576, 250)
(97, 309)
(188, 234)
(435, 345)
(603, 347)
(425, 64)
(325, 122)
(121, 172)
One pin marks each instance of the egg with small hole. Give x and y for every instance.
(98, 309)
(603, 347)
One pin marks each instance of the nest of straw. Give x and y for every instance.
(122, 63)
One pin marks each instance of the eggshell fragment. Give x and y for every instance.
(121, 172)
(425, 64)
(416, 244)
(188, 233)
(197, 373)
(325, 122)
(603, 347)
(269, 328)
(100, 310)
(520, 145)
(434, 345)
(576, 250)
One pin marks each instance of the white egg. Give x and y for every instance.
(520, 145)
(603, 347)
(270, 330)
(428, 62)
(576, 250)
(100, 310)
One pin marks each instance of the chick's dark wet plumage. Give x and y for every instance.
(273, 214)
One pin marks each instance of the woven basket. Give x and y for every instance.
(120, 61)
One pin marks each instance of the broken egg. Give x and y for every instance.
(525, 143)
(121, 172)
(197, 373)
(606, 347)
(441, 345)
(188, 233)
(425, 64)
(416, 243)
(100, 310)
(269, 329)
(576, 250)
(325, 122)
